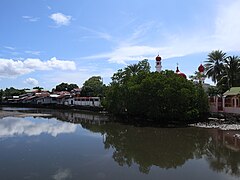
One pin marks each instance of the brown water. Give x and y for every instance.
(70, 145)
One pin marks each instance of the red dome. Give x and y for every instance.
(201, 68)
(158, 58)
(182, 75)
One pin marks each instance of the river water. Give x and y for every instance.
(61, 145)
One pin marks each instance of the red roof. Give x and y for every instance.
(182, 75)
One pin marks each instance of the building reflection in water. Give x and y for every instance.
(166, 148)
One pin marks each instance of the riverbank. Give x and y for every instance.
(8, 113)
(54, 106)
(223, 121)
(219, 121)
(4, 114)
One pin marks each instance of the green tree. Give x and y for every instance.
(38, 88)
(231, 72)
(66, 87)
(214, 65)
(197, 76)
(9, 92)
(121, 76)
(213, 91)
(225, 71)
(93, 87)
(162, 97)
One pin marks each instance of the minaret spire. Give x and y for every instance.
(158, 64)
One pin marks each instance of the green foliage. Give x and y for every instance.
(93, 87)
(212, 91)
(1, 95)
(9, 92)
(224, 70)
(66, 87)
(214, 64)
(162, 97)
(38, 88)
(197, 76)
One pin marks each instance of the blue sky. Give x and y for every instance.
(46, 42)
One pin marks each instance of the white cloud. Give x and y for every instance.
(36, 53)
(31, 81)
(60, 64)
(228, 25)
(12, 68)
(30, 18)
(77, 77)
(124, 54)
(96, 34)
(9, 48)
(61, 19)
(223, 34)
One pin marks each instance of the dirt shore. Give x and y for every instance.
(8, 113)
(19, 114)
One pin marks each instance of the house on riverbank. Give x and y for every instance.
(64, 98)
(228, 103)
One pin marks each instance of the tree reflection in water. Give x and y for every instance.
(223, 154)
(168, 147)
(165, 147)
(162, 147)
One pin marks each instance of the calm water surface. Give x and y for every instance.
(67, 145)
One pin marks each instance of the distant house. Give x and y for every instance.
(231, 100)
(228, 103)
(73, 98)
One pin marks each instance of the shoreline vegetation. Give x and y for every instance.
(160, 97)
(210, 123)
(138, 95)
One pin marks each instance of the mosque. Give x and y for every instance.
(159, 68)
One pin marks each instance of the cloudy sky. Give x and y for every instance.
(46, 42)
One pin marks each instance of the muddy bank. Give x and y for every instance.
(20, 114)
(216, 125)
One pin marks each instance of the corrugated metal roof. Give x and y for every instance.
(232, 92)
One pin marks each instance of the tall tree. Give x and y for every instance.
(93, 87)
(122, 76)
(158, 96)
(9, 92)
(214, 65)
(66, 87)
(232, 71)
(38, 88)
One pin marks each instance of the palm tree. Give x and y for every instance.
(132, 69)
(197, 76)
(214, 65)
(231, 72)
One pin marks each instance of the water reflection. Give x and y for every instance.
(223, 155)
(12, 126)
(169, 149)
(62, 174)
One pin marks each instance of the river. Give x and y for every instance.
(55, 144)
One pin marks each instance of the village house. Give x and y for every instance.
(228, 103)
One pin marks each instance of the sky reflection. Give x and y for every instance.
(12, 126)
